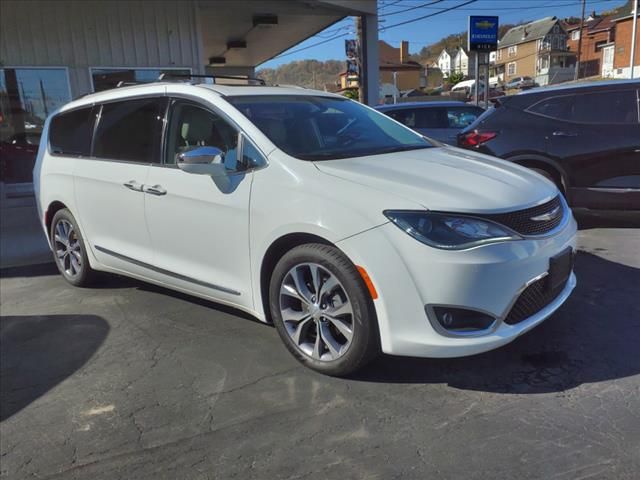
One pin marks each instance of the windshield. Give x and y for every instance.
(325, 128)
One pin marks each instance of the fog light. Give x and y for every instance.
(460, 320)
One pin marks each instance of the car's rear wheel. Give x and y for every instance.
(69, 249)
(323, 310)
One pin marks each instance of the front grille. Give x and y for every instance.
(521, 220)
(533, 299)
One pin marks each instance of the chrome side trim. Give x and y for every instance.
(165, 272)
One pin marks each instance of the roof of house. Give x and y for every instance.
(594, 25)
(528, 32)
(625, 11)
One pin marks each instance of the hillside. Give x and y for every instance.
(304, 73)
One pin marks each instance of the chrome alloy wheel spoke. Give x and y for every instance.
(316, 312)
(67, 248)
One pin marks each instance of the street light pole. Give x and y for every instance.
(634, 33)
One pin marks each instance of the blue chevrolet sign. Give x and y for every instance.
(483, 33)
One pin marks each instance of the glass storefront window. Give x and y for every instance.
(27, 97)
(106, 78)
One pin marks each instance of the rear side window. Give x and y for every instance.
(70, 132)
(130, 131)
(461, 117)
(554, 107)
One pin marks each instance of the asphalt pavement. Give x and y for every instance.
(133, 381)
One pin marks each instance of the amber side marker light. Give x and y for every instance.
(367, 282)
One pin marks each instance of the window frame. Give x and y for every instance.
(93, 109)
(512, 51)
(515, 68)
(99, 106)
(575, 94)
(173, 98)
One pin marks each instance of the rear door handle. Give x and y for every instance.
(154, 190)
(133, 185)
(564, 134)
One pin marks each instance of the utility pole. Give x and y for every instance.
(577, 74)
(362, 94)
(634, 33)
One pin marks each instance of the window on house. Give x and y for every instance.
(599, 45)
(513, 50)
(499, 55)
(575, 35)
(511, 68)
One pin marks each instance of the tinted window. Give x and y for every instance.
(70, 132)
(129, 130)
(191, 126)
(317, 127)
(461, 117)
(605, 107)
(421, 117)
(555, 107)
(251, 156)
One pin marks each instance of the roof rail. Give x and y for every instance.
(165, 76)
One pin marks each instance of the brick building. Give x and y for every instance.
(597, 51)
(622, 57)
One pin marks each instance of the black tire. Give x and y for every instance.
(548, 175)
(364, 344)
(80, 274)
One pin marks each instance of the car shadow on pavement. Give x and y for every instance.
(39, 352)
(593, 337)
(37, 270)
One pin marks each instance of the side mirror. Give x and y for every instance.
(202, 161)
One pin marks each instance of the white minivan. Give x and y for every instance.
(350, 232)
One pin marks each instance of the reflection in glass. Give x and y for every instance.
(106, 78)
(27, 97)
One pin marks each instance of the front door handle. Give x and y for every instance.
(133, 185)
(154, 189)
(564, 134)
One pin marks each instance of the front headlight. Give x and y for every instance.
(449, 231)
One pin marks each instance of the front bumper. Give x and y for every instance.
(409, 275)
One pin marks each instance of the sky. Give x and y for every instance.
(430, 30)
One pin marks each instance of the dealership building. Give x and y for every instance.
(53, 51)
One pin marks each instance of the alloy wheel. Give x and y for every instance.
(68, 249)
(317, 312)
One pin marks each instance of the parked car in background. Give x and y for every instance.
(585, 138)
(520, 82)
(352, 233)
(438, 120)
(18, 156)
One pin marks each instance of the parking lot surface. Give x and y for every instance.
(129, 380)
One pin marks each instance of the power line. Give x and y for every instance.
(433, 2)
(468, 2)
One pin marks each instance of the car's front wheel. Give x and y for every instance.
(69, 249)
(323, 310)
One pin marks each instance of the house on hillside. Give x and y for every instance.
(538, 50)
(464, 62)
(597, 50)
(394, 62)
(622, 52)
(445, 61)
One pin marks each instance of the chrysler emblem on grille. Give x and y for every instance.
(545, 217)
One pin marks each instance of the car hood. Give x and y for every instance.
(446, 179)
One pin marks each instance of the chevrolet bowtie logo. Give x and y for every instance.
(485, 25)
(545, 217)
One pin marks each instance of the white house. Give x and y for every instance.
(461, 63)
(445, 61)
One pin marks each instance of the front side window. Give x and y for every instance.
(605, 107)
(191, 126)
(70, 132)
(554, 107)
(324, 128)
(129, 130)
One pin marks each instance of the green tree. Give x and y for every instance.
(456, 77)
